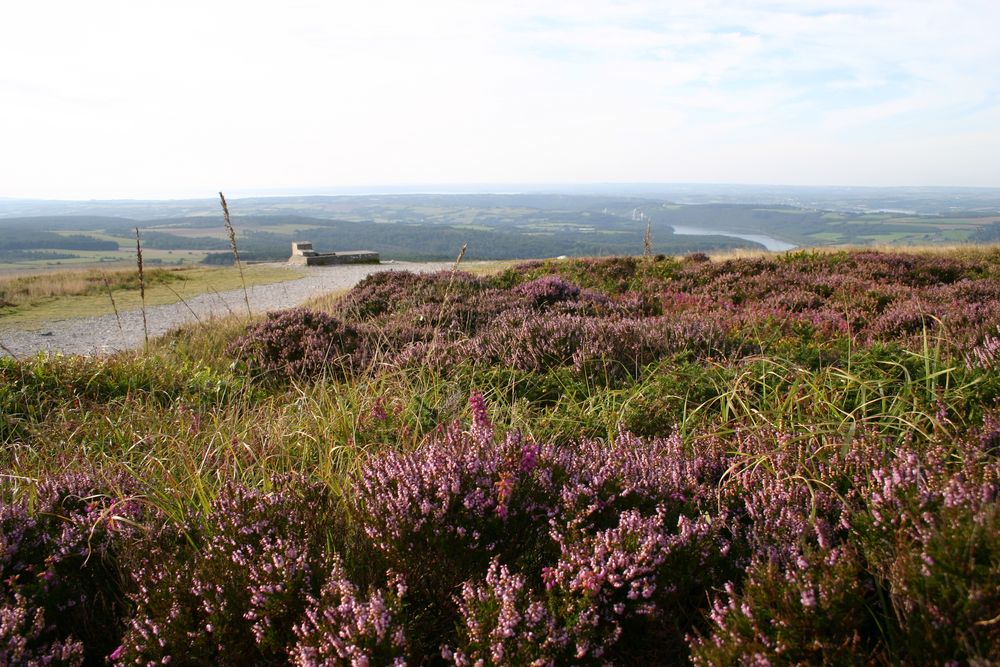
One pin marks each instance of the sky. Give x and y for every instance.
(151, 99)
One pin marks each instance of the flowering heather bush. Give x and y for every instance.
(645, 567)
(635, 304)
(60, 580)
(872, 296)
(858, 286)
(931, 532)
(442, 355)
(987, 353)
(547, 291)
(538, 317)
(442, 514)
(23, 638)
(611, 275)
(297, 343)
(908, 536)
(340, 628)
(818, 612)
(396, 291)
(784, 504)
(503, 622)
(451, 497)
(230, 590)
(529, 341)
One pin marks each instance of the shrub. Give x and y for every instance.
(394, 291)
(229, 589)
(503, 622)
(819, 611)
(547, 291)
(25, 638)
(930, 532)
(298, 343)
(441, 515)
(61, 579)
(340, 627)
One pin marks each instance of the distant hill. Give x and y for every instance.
(512, 225)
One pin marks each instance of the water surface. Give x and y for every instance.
(769, 242)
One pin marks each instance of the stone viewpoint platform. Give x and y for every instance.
(304, 255)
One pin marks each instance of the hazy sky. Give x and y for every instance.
(162, 99)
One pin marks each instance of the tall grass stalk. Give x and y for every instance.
(776, 394)
(186, 304)
(114, 306)
(236, 253)
(447, 296)
(142, 289)
(224, 303)
(7, 350)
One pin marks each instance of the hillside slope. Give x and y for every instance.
(620, 460)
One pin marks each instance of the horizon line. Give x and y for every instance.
(487, 188)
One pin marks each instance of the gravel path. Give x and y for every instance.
(101, 335)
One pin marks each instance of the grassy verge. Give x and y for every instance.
(64, 295)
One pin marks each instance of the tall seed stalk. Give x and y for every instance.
(7, 350)
(444, 301)
(236, 253)
(114, 306)
(647, 239)
(142, 289)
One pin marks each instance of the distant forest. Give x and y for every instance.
(421, 242)
(988, 234)
(494, 226)
(30, 239)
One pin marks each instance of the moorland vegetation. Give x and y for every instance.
(788, 459)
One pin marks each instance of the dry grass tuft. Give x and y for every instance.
(16, 291)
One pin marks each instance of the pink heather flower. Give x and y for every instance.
(529, 458)
(505, 486)
(808, 597)
(378, 412)
(482, 427)
(549, 577)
